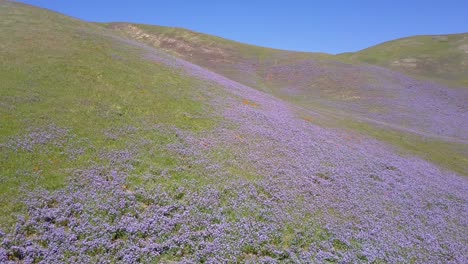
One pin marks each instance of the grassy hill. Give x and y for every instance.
(235, 60)
(136, 144)
(442, 58)
(389, 106)
(69, 80)
(315, 80)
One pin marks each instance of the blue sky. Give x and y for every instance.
(325, 26)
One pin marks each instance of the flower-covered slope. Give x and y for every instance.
(116, 152)
(418, 116)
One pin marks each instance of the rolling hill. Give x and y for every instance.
(409, 113)
(442, 58)
(125, 143)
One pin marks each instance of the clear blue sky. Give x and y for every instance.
(327, 26)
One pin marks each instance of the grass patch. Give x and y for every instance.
(77, 76)
(437, 58)
(448, 155)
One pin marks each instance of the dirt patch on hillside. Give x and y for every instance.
(172, 44)
(463, 48)
(406, 62)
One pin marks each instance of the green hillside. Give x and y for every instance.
(240, 62)
(126, 143)
(339, 87)
(442, 58)
(59, 72)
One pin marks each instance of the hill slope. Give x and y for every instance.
(422, 117)
(116, 151)
(318, 80)
(441, 58)
(235, 60)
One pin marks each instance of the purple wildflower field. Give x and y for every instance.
(318, 196)
(364, 92)
(377, 95)
(256, 183)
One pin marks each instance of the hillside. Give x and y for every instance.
(235, 60)
(318, 80)
(442, 58)
(406, 112)
(121, 149)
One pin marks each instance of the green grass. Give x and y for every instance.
(75, 75)
(450, 156)
(438, 58)
(238, 61)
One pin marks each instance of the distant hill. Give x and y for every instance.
(442, 58)
(233, 59)
(315, 80)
